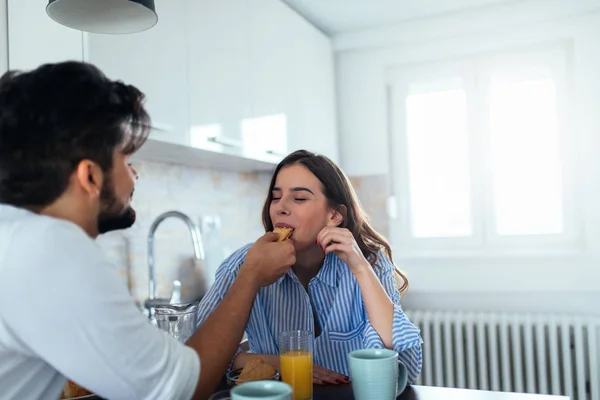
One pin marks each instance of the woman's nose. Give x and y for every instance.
(282, 209)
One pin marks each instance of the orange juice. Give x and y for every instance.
(296, 370)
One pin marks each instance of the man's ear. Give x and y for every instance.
(90, 177)
(337, 216)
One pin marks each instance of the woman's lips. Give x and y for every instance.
(282, 225)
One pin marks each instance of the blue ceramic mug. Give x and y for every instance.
(377, 374)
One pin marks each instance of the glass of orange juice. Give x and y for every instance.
(296, 362)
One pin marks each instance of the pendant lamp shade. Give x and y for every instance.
(104, 16)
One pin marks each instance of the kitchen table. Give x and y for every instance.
(344, 392)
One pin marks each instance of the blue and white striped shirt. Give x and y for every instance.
(335, 298)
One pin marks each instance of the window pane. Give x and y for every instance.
(438, 158)
(527, 182)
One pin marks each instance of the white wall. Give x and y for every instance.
(568, 280)
(363, 59)
(3, 37)
(35, 39)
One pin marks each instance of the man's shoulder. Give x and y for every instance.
(24, 234)
(16, 223)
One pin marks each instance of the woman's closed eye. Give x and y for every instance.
(298, 199)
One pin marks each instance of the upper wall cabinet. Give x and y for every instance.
(35, 39)
(261, 79)
(242, 79)
(155, 61)
(292, 80)
(219, 50)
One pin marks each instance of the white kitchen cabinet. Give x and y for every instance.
(35, 39)
(261, 77)
(315, 107)
(219, 52)
(292, 75)
(249, 79)
(156, 62)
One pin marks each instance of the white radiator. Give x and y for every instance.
(527, 353)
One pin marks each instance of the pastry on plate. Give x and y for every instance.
(256, 369)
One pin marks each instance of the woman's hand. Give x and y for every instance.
(324, 376)
(321, 376)
(342, 242)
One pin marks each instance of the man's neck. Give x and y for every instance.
(77, 213)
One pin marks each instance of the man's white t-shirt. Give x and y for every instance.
(65, 312)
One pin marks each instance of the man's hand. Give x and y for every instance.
(268, 260)
(218, 338)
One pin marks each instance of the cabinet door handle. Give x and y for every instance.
(274, 153)
(225, 141)
(157, 127)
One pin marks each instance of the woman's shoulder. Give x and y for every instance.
(383, 261)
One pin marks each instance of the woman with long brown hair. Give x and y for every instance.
(343, 286)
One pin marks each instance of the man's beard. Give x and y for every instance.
(108, 219)
(109, 223)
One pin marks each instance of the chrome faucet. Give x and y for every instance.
(196, 242)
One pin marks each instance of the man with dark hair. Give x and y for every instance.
(66, 134)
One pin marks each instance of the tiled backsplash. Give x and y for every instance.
(372, 192)
(236, 198)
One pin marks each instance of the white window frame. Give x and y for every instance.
(475, 73)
